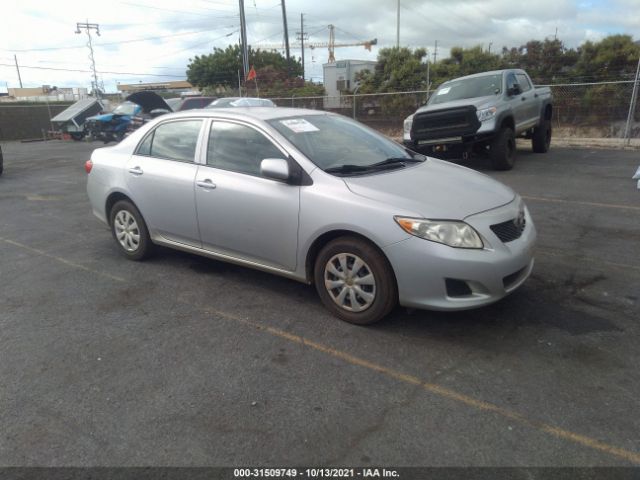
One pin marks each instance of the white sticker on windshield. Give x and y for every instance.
(444, 91)
(299, 125)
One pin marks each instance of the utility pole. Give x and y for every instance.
(243, 40)
(286, 36)
(435, 52)
(301, 37)
(398, 26)
(490, 43)
(428, 75)
(632, 106)
(88, 27)
(18, 69)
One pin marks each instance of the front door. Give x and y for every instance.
(161, 176)
(241, 213)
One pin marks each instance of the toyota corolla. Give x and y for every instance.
(318, 198)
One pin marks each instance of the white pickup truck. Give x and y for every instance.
(482, 114)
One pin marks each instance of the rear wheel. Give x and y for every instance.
(541, 139)
(355, 281)
(130, 231)
(77, 136)
(502, 150)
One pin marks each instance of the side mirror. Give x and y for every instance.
(275, 168)
(514, 90)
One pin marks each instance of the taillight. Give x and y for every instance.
(88, 165)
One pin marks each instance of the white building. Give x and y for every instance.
(340, 77)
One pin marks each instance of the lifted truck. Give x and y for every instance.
(482, 114)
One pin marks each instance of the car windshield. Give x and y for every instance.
(174, 103)
(468, 88)
(222, 102)
(126, 108)
(340, 145)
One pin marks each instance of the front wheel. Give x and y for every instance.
(502, 150)
(355, 281)
(130, 231)
(541, 139)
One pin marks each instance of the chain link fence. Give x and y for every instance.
(595, 110)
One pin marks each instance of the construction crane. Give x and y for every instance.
(331, 45)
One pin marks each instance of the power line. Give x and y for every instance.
(34, 67)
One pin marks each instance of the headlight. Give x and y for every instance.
(407, 124)
(486, 113)
(449, 232)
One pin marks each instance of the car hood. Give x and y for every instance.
(105, 117)
(434, 189)
(478, 102)
(149, 101)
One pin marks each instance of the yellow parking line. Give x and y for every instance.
(577, 202)
(62, 260)
(433, 388)
(439, 390)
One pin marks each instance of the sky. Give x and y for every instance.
(152, 41)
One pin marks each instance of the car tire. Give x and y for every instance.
(541, 139)
(502, 150)
(363, 293)
(130, 231)
(77, 136)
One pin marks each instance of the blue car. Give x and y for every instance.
(112, 126)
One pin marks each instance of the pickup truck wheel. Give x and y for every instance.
(502, 150)
(355, 281)
(541, 139)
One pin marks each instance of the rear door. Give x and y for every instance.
(161, 176)
(241, 213)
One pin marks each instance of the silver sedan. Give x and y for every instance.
(318, 198)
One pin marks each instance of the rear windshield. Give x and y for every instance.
(468, 88)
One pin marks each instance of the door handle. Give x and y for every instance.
(206, 184)
(137, 171)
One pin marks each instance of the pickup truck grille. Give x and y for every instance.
(509, 231)
(452, 122)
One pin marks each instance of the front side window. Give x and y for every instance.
(525, 85)
(239, 148)
(173, 141)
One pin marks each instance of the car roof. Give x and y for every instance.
(256, 113)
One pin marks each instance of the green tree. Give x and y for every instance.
(397, 70)
(220, 68)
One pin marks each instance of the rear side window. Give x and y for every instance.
(173, 141)
(239, 148)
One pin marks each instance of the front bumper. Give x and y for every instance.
(424, 269)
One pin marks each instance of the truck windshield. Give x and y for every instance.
(126, 108)
(335, 142)
(468, 88)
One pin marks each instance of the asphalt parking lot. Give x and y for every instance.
(182, 360)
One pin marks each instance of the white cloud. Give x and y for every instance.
(193, 27)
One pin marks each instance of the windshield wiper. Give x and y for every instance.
(387, 164)
(347, 169)
(400, 161)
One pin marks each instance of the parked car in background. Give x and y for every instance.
(189, 103)
(152, 105)
(112, 126)
(482, 113)
(241, 102)
(319, 198)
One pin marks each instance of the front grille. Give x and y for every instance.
(451, 122)
(457, 288)
(509, 231)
